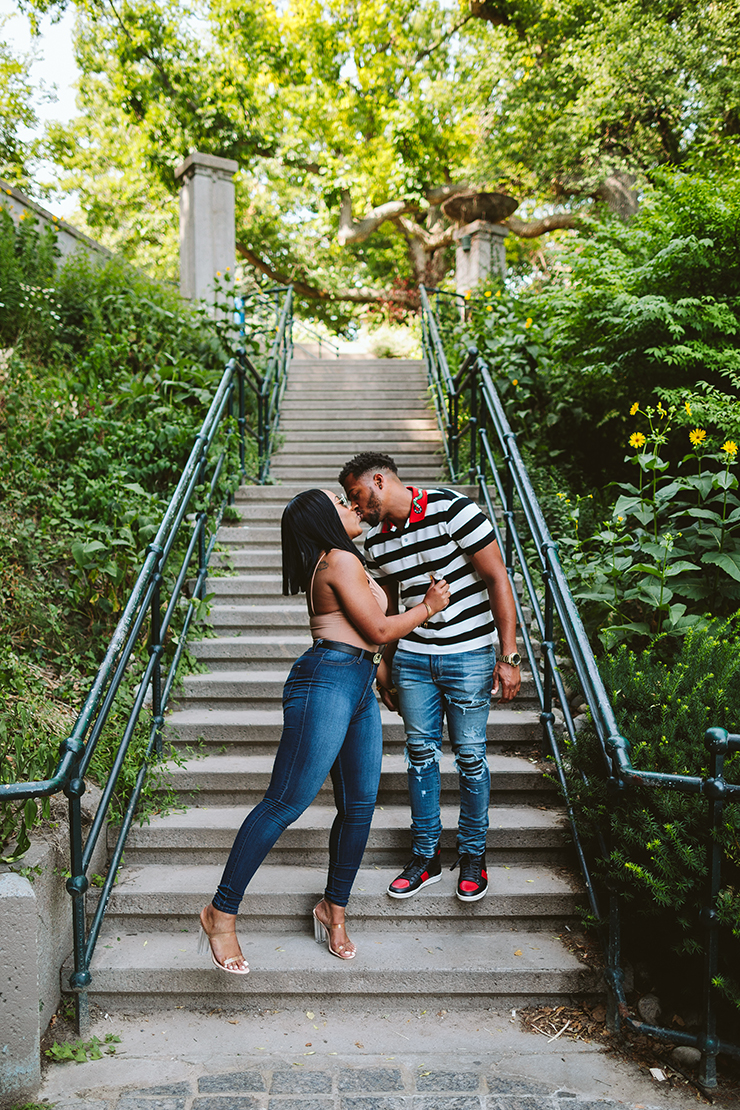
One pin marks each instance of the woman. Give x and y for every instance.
(331, 720)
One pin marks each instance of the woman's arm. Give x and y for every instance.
(346, 577)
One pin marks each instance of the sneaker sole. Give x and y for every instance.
(471, 897)
(411, 893)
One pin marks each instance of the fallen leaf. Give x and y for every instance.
(309, 1013)
(359, 1045)
(233, 1022)
(518, 952)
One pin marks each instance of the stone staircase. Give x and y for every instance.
(430, 950)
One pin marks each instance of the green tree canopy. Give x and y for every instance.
(16, 112)
(353, 120)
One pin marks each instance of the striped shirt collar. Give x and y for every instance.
(416, 514)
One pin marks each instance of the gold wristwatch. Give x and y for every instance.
(513, 660)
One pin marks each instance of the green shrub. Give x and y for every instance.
(657, 857)
(100, 401)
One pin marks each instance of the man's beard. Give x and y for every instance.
(372, 512)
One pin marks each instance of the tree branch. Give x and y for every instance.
(362, 295)
(351, 231)
(431, 241)
(435, 46)
(540, 227)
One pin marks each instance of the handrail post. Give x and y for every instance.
(76, 886)
(509, 514)
(241, 420)
(474, 409)
(714, 787)
(155, 649)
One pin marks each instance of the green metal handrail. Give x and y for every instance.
(269, 387)
(144, 607)
(321, 339)
(472, 388)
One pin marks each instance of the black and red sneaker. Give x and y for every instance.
(422, 871)
(472, 882)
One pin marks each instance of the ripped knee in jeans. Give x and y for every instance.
(421, 756)
(471, 764)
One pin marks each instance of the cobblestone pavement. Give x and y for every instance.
(336, 1058)
(348, 1086)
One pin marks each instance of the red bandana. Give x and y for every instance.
(418, 509)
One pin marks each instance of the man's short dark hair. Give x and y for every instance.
(366, 460)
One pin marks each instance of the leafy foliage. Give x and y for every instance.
(657, 856)
(16, 113)
(100, 397)
(82, 1051)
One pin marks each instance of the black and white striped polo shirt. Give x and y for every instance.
(443, 529)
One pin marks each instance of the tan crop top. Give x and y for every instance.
(335, 626)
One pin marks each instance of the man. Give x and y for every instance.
(448, 666)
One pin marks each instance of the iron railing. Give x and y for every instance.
(142, 616)
(320, 339)
(269, 387)
(468, 405)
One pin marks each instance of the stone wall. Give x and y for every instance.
(69, 239)
(35, 940)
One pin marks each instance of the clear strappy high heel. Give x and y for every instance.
(204, 944)
(322, 934)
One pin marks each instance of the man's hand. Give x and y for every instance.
(507, 680)
(388, 696)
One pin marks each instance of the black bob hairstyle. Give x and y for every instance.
(309, 526)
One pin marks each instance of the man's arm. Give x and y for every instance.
(490, 566)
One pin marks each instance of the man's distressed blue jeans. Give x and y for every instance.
(431, 687)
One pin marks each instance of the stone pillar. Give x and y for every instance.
(207, 231)
(20, 1064)
(479, 252)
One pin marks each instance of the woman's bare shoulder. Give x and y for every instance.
(344, 562)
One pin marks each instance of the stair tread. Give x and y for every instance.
(322, 817)
(205, 717)
(401, 955)
(196, 880)
(393, 763)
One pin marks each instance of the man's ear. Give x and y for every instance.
(379, 480)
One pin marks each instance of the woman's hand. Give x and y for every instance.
(437, 596)
(386, 689)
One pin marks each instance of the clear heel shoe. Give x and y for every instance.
(322, 935)
(205, 945)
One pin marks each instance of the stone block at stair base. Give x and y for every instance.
(231, 1081)
(20, 1067)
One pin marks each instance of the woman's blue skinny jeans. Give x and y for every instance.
(331, 724)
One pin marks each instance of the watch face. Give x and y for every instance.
(513, 660)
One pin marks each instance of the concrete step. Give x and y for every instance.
(281, 492)
(327, 476)
(345, 439)
(250, 585)
(225, 780)
(253, 558)
(358, 367)
(377, 427)
(229, 652)
(329, 459)
(279, 900)
(254, 688)
(148, 971)
(526, 835)
(255, 730)
(285, 614)
(265, 534)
